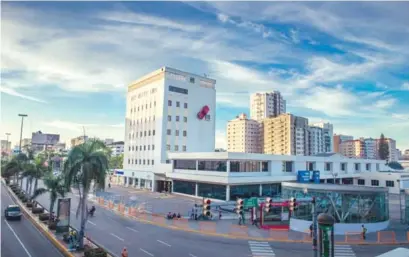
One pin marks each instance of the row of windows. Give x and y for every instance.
(141, 162)
(141, 134)
(140, 108)
(136, 122)
(177, 118)
(178, 90)
(176, 148)
(177, 104)
(148, 147)
(375, 182)
(169, 132)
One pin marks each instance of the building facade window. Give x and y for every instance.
(368, 166)
(213, 166)
(169, 102)
(176, 132)
(271, 190)
(357, 166)
(374, 182)
(168, 147)
(184, 187)
(390, 183)
(184, 133)
(177, 104)
(184, 148)
(185, 105)
(343, 166)
(244, 191)
(184, 119)
(245, 166)
(176, 148)
(169, 118)
(177, 118)
(184, 164)
(169, 132)
(361, 182)
(212, 191)
(328, 166)
(288, 166)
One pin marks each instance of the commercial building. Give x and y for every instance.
(338, 139)
(25, 142)
(41, 141)
(5, 147)
(243, 135)
(225, 175)
(117, 148)
(78, 140)
(328, 134)
(316, 140)
(166, 110)
(353, 148)
(393, 180)
(265, 105)
(285, 134)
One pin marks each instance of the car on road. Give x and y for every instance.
(12, 212)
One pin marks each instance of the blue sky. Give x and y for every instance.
(67, 64)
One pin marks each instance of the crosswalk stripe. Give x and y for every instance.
(344, 251)
(261, 249)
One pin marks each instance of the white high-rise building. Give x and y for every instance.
(243, 135)
(393, 157)
(265, 105)
(371, 148)
(316, 140)
(328, 134)
(167, 111)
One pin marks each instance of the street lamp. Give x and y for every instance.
(21, 129)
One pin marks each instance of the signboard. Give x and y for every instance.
(119, 172)
(303, 176)
(63, 215)
(39, 138)
(316, 176)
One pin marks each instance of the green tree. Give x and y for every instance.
(86, 164)
(35, 171)
(116, 162)
(383, 150)
(55, 186)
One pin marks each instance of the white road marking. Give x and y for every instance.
(148, 253)
(261, 249)
(343, 251)
(134, 230)
(164, 243)
(191, 255)
(92, 223)
(18, 239)
(117, 237)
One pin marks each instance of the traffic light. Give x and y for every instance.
(292, 203)
(239, 206)
(206, 206)
(267, 204)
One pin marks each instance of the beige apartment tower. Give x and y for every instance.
(286, 134)
(243, 135)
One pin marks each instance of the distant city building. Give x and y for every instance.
(398, 154)
(392, 150)
(243, 135)
(109, 141)
(25, 142)
(328, 134)
(5, 147)
(316, 140)
(353, 148)
(265, 105)
(220, 150)
(78, 140)
(117, 148)
(41, 141)
(371, 148)
(338, 139)
(286, 134)
(60, 147)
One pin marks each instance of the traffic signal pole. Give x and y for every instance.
(314, 227)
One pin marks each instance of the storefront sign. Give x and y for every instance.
(303, 176)
(63, 215)
(316, 176)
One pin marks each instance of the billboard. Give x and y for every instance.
(63, 215)
(303, 176)
(44, 139)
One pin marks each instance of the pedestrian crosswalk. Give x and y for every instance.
(343, 251)
(261, 249)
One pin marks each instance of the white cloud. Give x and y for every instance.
(385, 103)
(67, 125)
(221, 139)
(12, 92)
(405, 86)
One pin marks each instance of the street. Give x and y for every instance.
(21, 238)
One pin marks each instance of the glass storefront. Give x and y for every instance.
(213, 166)
(184, 187)
(244, 191)
(271, 190)
(184, 164)
(248, 166)
(346, 206)
(212, 191)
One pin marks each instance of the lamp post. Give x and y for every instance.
(314, 222)
(21, 129)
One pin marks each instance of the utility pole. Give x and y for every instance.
(314, 226)
(21, 129)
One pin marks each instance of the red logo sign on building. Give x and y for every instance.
(203, 112)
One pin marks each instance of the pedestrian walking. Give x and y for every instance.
(220, 214)
(240, 219)
(311, 228)
(124, 252)
(364, 232)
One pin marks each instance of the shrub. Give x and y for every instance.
(44, 216)
(29, 204)
(95, 252)
(52, 225)
(37, 210)
(24, 199)
(65, 238)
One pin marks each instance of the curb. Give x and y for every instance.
(47, 234)
(239, 237)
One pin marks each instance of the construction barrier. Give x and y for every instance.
(278, 235)
(121, 208)
(181, 223)
(207, 226)
(386, 237)
(111, 205)
(353, 237)
(132, 211)
(238, 230)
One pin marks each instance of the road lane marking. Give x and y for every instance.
(92, 223)
(18, 239)
(117, 237)
(164, 243)
(134, 230)
(191, 255)
(148, 253)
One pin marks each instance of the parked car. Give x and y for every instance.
(12, 212)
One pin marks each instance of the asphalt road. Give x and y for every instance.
(144, 240)
(21, 238)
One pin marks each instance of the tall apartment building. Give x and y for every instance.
(316, 140)
(353, 148)
(166, 111)
(338, 139)
(243, 135)
(392, 149)
(371, 148)
(117, 148)
(285, 134)
(5, 147)
(328, 134)
(265, 105)
(78, 140)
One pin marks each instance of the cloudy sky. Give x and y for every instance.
(67, 65)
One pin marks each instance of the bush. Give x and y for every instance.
(52, 225)
(24, 199)
(29, 204)
(44, 216)
(65, 238)
(95, 252)
(37, 210)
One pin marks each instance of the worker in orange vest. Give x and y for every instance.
(124, 252)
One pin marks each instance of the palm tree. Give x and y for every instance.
(86, 164)
(55, 186)
(35, 171)
(15, 167)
